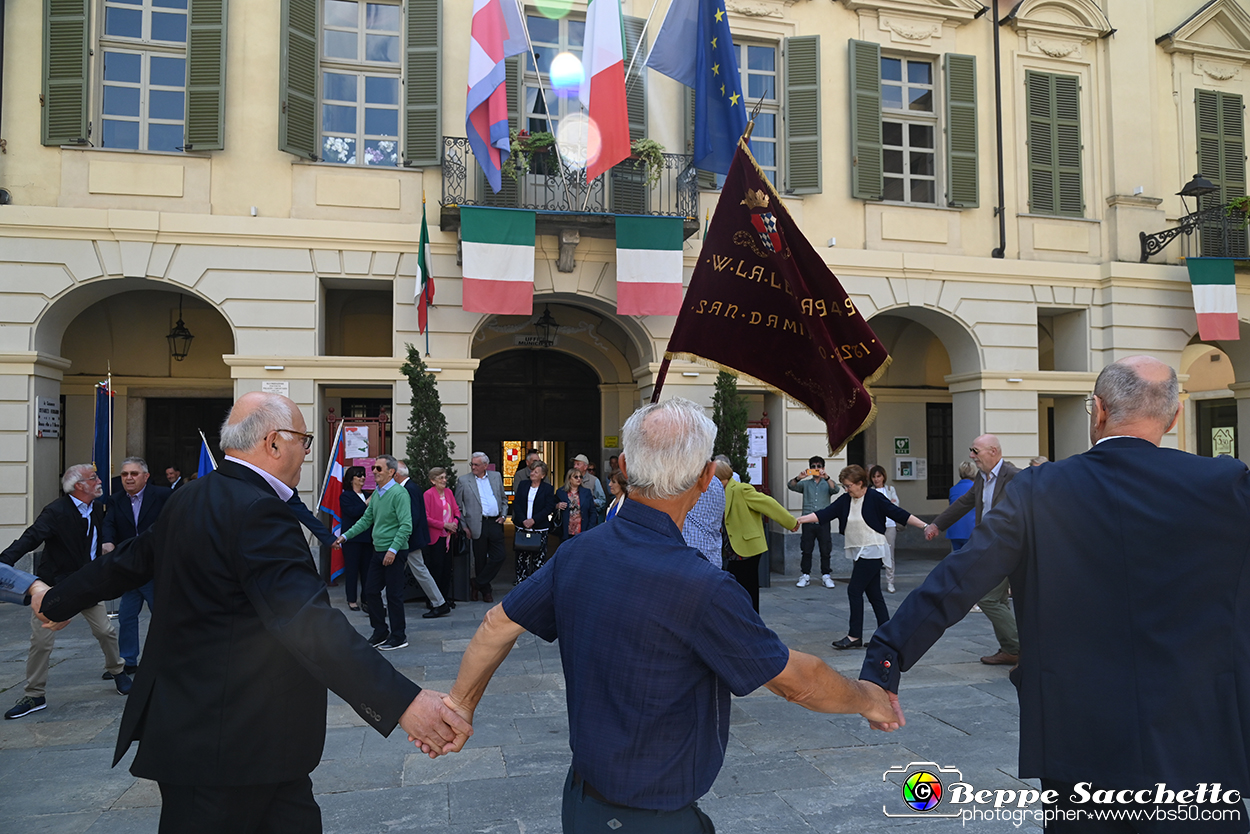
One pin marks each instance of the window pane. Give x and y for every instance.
(381, 90)
(338, 118)
(761, 58)
(131, 2)
(122, 66)
(920, 136)
(382, 18)
(341, 45)
(765, 125)
(577, 33)
(892, 133)
(342, 13)
(919, 72)
(544, 59)
(381, 152)
(893, 189)
(891, 69)
(891, 97)
(166, 104)
(124, 23)
(120, 135)
(382, 48)
(338, 87)
(543, 29)
(765, 153)
(168, 72)
(170, 4)
(921, 100)
(381, 122)
(922, 191)
(761, 85)
(169, 27)
(164, 137)
(922, 163)
(892, 161)
(338, 149)
(121, 101)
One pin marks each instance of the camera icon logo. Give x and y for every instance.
(923, 787)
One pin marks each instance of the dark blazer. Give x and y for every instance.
(352, 509)
(875, 509)
(588, 512)
(306, 518)
(420, 536)
(62, 531)
(119, 523)
(243, 640)
(1135, 656)
(544, 505)
(972, 499)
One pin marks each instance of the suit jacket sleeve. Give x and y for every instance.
(520, 500)
(310, 521)
(108, 529)
(960, 508)
(126, 567)
(471, 518)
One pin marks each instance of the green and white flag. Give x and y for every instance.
(425, 281)
(497, 251)
(1215, 298)
(648, 265)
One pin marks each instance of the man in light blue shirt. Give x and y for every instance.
(483, 507)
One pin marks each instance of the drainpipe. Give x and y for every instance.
(1001, 209)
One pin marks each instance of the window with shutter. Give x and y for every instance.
(961, 131)
(423, 84)
(297, 117)
(206, 75)
(909, 130)
(757, 65)
(143, 100)
(802, 115)
(360, 74)
(1052, 103)
(1222, 160)
(65, 50)
(866, 139)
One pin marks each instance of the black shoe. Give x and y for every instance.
(25, 706)
(442, 611)
(849, 642)
(378, 638)
(123, 683)
(392, 644)
(130, 670)
(107, 676)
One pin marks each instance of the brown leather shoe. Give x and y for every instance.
(1001, 658)
(473, 595)
(487, 596)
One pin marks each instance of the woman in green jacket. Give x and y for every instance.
(744, 529)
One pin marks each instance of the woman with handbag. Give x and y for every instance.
(532, 507)
(443, 517)
(577, 507)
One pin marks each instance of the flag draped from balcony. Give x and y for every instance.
(497, 253)
(1215, 298)
(603, 87)
(763, 302)
(496, 34)
(648, 265)
(425, 281)
(694, 46)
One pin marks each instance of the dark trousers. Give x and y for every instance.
(584, 813)
(128, 621)
(356, 559)
(438, 561)
(488, 553)
(392, 578)
(866, 579)
(282, 808)
(747, 572)
(811, 534)
(1239, 823)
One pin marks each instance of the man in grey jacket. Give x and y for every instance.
(483, 507)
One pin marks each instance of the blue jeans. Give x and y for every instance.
(128, 622)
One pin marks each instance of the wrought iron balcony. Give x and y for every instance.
(1219, 235)
(561, 196)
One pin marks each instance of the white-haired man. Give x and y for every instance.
(69, 530)
(483, 508)
(648, 682)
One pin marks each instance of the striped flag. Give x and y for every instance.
(603, 90)
(648, 265)
(425, 281)
(331, 490)
(497, 248)
(496, 34)
(1215, 298)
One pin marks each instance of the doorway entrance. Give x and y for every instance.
(172, 432)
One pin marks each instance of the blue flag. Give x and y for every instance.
(207, 464)
(102, 444)
(720, 112)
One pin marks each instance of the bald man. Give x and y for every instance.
(1129, 565)
(229, 706)
(990, 485)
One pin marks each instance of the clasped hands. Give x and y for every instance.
(437, 724)
(884, 712)
(37, 590)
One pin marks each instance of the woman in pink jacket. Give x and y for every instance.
(443, 517)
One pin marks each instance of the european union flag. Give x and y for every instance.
(720, 113)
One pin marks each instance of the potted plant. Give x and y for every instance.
(1239, 208)
(648, 153)
(524, 145)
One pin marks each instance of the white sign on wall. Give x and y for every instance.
(356, 441)
(755, 470)
(276, 386)
(757, 444)
(48, 411)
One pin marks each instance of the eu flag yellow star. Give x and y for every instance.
(715, 69)
(720, 15)
(733, 99)
(713, 43)
(722, 89)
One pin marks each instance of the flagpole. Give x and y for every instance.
(638, 47)
(325, 483)
(659, 381)
(426, 277)
(208, 449)
(108, 404)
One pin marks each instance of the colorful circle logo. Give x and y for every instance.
(922, 791)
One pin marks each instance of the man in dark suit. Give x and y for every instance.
(1129, 546)
(417, 541)
(988, 488)
(230, 703)
(483, 507)
(69, 530)
(132, 511)
(174, 475)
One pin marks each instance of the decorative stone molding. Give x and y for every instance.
(1057, 49)
(914, 30)
(1217, 70)
(754, 11)
(1219, 33)
(1059, 20)
(953, 12)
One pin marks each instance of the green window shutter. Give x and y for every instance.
(802, 114)
(636, 83)
(1039, 92)
(961, 131)
(423, 83)
(866, 161)
(297, 117)
(1222, 160)
(206, 75)
(1054, 137)
(1068, 145)
(64, 72)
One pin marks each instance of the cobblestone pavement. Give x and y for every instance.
(786, 769)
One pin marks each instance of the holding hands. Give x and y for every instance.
(931, 532)
(37, 590)
(434, 726)
(884, 712)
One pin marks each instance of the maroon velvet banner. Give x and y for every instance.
(763, 303)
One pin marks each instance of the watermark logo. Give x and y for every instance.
(922, 789)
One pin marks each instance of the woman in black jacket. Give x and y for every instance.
(356, 551)
(532, 507)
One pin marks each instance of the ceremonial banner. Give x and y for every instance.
(1215, 298)
(648, 265)
(497, 248)
(763, 303)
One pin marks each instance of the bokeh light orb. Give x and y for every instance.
(554, 9)
(579, 139)
(566, 74)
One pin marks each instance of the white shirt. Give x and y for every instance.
(892, 494)
(85, 511)
(490, 507)
(862, 542)
(284, 491)
(987, 491)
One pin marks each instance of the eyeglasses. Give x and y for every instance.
(577, 477)
(307, 436)
(1089, 404)
(378, 468)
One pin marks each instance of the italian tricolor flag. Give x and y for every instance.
(603, 87)
(497, 253)
(1215, 298)
(648, 265)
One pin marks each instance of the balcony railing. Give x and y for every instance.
(563, 198)
(1209, 232)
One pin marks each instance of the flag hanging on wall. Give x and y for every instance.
(648, 265)
(496, 34)
(1215, 298)
(497, 253)
(425, 281)
(331, 490)
(603, 87)
(763, 302)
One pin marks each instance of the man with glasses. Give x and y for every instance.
(69, 530)
(482, 506)
(389, 514)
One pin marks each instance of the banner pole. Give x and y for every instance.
(659, 382)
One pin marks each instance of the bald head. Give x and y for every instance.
(266, 430)
(986, 452)
(1138, 396)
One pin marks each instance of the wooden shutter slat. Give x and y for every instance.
(65, 50)
(423, 84)
(297, 117)
(962, 175)
(867, 182)
(802, 115)
(1056, 184)
(206, 75)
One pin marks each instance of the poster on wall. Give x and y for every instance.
(356, 441)
(757, 444)
(367, 464)
(1222, 442)
(755, 470)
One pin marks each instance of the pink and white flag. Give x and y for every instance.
(496, 34)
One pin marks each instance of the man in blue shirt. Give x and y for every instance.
(649, 681)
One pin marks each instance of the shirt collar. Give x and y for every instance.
(284, 491)
(138, 496)
(649, 517)
(82, 508)
(1120, 437)
(382, 489)
(997, 467)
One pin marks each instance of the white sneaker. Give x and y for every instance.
(889, 586)
(828, 580)
(804, 581)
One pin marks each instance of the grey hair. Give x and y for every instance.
(968, 469)
(1126, 396)
(666, 446)
(401, 468)
(270, 414)
(485, 457)
(140, 462)
(390, 461)
(76, 473)
(1039, 460)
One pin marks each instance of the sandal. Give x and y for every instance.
(849, 642)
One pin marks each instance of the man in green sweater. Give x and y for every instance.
(390, 515)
